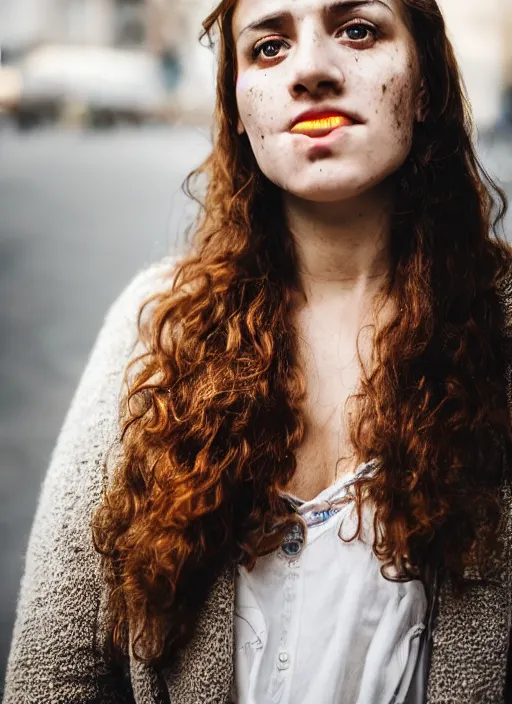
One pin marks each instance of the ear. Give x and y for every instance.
(240, 128)
(422, 102)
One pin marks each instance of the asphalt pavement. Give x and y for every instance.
(80, 213)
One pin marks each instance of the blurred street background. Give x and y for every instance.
(105, 106)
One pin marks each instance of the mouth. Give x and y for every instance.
(320, 125)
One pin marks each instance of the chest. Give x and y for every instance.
(328, 359)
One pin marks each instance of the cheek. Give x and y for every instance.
(255, 103)
(395, 108)
(248, 96)
(243, 84)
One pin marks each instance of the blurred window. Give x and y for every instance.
(131, 23)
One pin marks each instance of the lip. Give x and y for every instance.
(325, 140)
(321, 130)
(322, 113)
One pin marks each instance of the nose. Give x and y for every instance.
(314, 70)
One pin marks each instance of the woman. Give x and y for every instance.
(310, 496)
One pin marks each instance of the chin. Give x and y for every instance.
(324, 182)
(325, 192)
(331, 186)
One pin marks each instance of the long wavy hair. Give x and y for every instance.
(213, 409)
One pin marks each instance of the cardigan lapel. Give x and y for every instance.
(204, 671)
(470, 639)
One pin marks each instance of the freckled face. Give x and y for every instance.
(295, 56)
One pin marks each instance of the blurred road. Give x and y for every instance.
(80, 214)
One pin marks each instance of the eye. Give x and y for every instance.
(359, 29)
(269, 49)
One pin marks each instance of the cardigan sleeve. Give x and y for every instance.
(57, 653)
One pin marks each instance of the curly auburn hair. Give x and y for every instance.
(213, 413)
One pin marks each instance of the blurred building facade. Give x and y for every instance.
(480, 32)
(99, 22)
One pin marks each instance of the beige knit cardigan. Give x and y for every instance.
(57, 654)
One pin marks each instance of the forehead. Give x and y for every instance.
(248, 12)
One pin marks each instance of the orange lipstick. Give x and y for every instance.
(321, 126)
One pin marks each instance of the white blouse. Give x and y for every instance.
(315, 621)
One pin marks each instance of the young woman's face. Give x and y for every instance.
(337, 59)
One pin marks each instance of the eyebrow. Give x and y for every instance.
(276, 20)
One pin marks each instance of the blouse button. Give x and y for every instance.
(292, 547)
(293, 542)
(283, 661)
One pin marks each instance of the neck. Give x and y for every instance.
(342, 248)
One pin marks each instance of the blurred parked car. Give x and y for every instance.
(94, 84)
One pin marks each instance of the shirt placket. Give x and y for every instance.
(291, 553)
